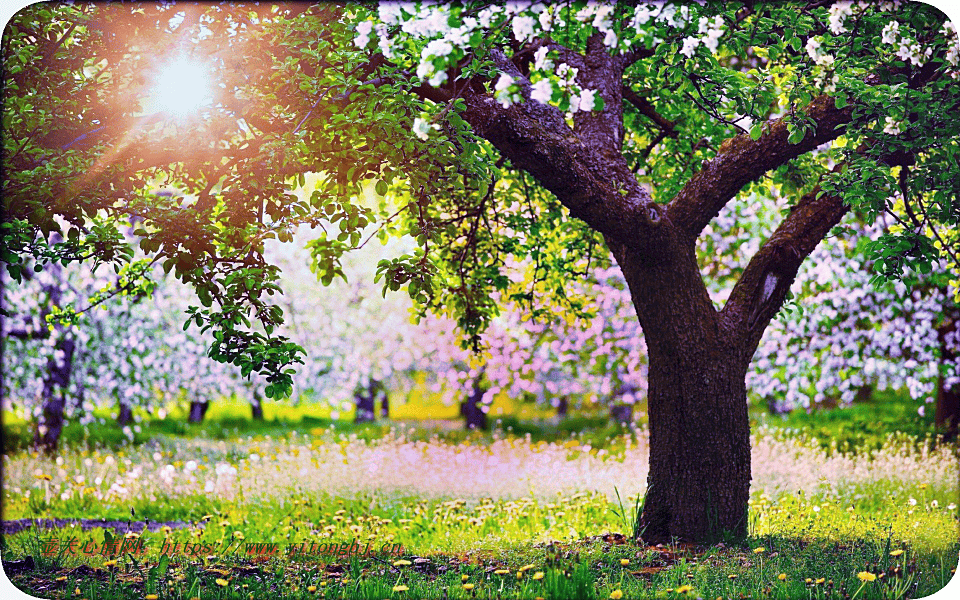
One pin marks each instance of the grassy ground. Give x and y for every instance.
(530, 510)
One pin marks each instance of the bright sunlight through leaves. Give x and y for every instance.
(181, 88)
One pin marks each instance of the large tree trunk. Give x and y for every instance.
(197, 411)
(699, 475)
(947, 413)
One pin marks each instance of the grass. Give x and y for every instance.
(532, 509)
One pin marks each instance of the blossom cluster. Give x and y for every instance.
(437, 37)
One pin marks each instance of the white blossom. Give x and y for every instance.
(540, 60)
(523, 28)
(838, 14)
(421, 128)
(542, 91)
(503, 94)
(389, 12)
(712, 39)
(689, 46)
(363, 34)
(890, 33)
(610, 39)
(892, 126)
(588, 100)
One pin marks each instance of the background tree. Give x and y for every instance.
(442, 107)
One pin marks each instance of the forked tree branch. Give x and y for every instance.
(742, 160)
(763, 286)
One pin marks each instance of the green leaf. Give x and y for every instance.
(756, 131)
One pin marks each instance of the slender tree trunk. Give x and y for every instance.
(198, 410)
(698, 482)
(621, 413)
(470, 408)
(947, 413)
(563, 405)
(46, 435)
(256, 406)
(365, 398)
(384, 404)
(125, 415)
(56, 381)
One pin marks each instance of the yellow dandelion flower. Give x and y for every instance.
(501, 572)
(732, 576)
(110, 563)
(222, 582)
(527, 567)
(538, 575)
(76, 591)
(896, 553)
(759, 550)
(808, 580)
(401, 563)
(782, 576)
(866, 576)
(311, 588)
(821, 580)
(63, 578)
(464, 577)
(519, 574)
(151, 597)
(616, 595)
(468, 586)
(683, 589)
(624, 561)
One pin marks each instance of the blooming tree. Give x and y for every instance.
(633, 127)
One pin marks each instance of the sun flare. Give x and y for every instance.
(181, 88)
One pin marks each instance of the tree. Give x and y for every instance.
(557, 132)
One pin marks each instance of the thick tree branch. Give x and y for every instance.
(763, 287)
(742, 160)
(595, 186)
